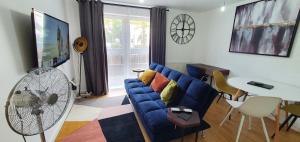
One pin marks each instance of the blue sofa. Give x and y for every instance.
(152, 111)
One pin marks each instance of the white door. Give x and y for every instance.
(127, 33)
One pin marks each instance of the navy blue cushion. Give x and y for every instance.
(137, 98)
(132, 83)
(152, 66)
(160, 103)
(198, 97)
(140, 90)
(183, 82)
(154, 95)
(148, 106)
(166, 71)
(195, 72)
(174, 75)
(157, 120)
(159, 68)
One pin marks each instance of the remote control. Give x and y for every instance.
(175, 109)
(188, 110)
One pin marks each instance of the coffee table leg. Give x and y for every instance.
(196, 136)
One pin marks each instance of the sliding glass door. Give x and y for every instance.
(127, 41)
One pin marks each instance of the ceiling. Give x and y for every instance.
(192, 5)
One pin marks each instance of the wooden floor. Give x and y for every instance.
(227, 133)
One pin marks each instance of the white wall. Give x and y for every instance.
(15, 58)
(179, 54)
(214, 40)
(210, 45)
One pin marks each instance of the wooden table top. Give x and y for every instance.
(209, 69)
(194, 121)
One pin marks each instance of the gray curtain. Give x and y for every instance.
(95, 58)
(157, 52)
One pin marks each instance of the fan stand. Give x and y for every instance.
(39, 121)
(37, 112)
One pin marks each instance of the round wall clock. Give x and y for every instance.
(182, 29)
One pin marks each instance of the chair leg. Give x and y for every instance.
(250, 123)
(240, 128)
(245, 97)
(292, 123)
(285, 122)
(230, 97)
(226, 117)
(265, 129)
(221, 95)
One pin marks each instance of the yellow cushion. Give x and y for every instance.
(147, 76)
(168, 92)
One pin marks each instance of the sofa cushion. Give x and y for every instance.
(174, 75)
(166, 71)
(140, 90)
(147, 76)
(137, 98)
(157, 121)
(183, 82)
(159, 68)
(154, 95)
(132, 83)
(148, 106)
(198, 97)
(159, 82)
(152, 66)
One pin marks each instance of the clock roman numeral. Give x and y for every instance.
(178, 19)
(173, 30)
(183, 17)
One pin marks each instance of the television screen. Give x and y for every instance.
(51, 39)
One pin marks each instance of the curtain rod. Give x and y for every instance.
(125, 5)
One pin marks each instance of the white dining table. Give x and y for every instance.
(284, 91)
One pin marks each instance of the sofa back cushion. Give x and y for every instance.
(199, 96)
(159, 68)
(159, 82)
(184, 81)
(147, 76)
(166, 71)
(152, 66)
(174, 75)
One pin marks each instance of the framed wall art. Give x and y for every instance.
(266, 27)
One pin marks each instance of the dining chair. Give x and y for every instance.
(223, 87)
(196, 72)
(248, 108)
(294, 109)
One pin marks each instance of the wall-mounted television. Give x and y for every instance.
(51, 39)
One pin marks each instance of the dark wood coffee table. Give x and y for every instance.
(194, 121)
